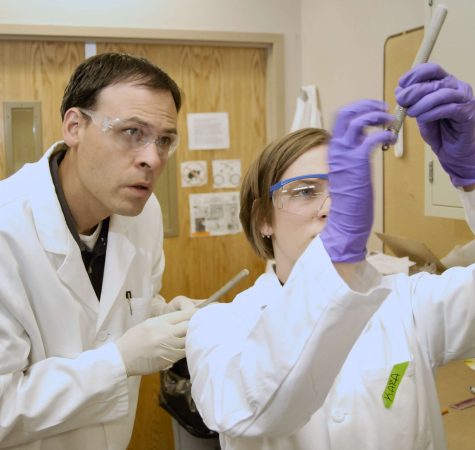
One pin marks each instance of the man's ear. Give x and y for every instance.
(71, 127)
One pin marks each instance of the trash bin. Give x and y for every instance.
(189, 430)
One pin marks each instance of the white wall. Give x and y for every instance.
(343, 54)
(343, 45)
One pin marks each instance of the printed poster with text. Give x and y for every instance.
(214, 214)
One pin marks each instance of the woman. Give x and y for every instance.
(322, 352)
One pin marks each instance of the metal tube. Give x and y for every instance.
(228, 286)
(422, 56)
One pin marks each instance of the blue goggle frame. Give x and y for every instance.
(276, 186)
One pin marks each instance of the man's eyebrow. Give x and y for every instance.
(139, 121)
(136, 120)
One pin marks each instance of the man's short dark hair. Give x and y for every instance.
(106, 69)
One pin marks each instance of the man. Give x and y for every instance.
(81, 245)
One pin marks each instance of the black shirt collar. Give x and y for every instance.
(54, 162)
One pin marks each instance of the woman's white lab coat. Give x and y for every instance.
(63, 384)
(308, 365)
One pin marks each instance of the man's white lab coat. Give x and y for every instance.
(308, 365)
(63, 384)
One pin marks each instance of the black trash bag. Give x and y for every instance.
(175, 398)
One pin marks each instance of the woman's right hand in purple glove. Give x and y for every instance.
(444, 108)
(351, 214)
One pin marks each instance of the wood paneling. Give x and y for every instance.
(453, 382)
(37, 70)
(404, 177)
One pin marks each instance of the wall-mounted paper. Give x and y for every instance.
(90, 49)
(194, 173)
(214, 214)
(208, 131)
(226, 173)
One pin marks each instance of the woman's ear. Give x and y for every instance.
(71, 127)
(266, 230)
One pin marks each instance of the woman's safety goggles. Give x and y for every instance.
(304, 195)
(133, 134)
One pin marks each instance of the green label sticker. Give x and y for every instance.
(394, 380)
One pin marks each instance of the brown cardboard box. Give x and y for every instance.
(415, 250)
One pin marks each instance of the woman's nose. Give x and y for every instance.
(324, 208)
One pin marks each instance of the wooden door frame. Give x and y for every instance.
(272, 43)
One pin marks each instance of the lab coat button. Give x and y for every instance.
(338, 415)
(102, 335)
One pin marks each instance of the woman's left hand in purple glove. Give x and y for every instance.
(351, 191)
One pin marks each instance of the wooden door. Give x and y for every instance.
(404, 177)
(39, 71)
(213, 79)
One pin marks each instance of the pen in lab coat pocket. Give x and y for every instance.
(128, 296)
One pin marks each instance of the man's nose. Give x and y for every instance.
(149, 156)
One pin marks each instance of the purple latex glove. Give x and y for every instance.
(444, 108)
(351, 214)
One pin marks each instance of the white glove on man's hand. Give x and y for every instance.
(155, 344)
(180, 303)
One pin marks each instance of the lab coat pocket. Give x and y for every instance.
(358, 401)
(137, 309)
(389, 387)
(388, 398)
(382, 373)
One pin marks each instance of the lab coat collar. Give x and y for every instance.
(50, 223)
(55, 237)
(52, 230)
(119, 256)
(268, 283)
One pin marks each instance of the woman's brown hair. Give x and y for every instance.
(269, 167)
